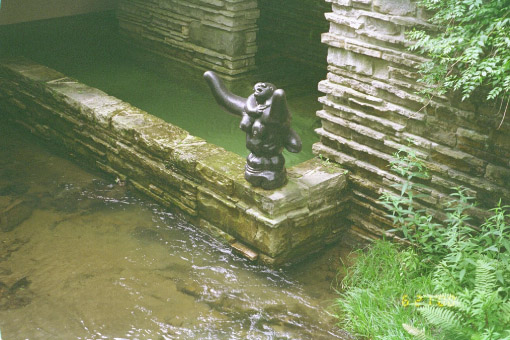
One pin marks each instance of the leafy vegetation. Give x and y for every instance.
(472, 50)
(453, 282)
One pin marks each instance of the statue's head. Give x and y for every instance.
(263, 91)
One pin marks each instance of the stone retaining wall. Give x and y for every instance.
(217, 35)
(176, 169)
(370, 110)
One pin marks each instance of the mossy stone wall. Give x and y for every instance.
(176, 169)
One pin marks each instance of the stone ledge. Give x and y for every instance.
(179, 170)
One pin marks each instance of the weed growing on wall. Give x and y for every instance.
(453, 282)
(472, 50)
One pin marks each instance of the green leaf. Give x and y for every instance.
(491, 248)
(461, 274)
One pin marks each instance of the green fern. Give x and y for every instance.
(505, 312)
(478, 313)
(419, 334)
(485, 283)
(447, 321)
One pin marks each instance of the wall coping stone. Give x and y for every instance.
(177, 169)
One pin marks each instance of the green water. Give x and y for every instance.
(87, 48)
(91, 260)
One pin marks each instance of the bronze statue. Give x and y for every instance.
(266, 121)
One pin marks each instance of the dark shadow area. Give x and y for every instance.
(289, 42)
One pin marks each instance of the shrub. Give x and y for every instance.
(472, 50)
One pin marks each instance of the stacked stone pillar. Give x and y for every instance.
(217, 35)
(371, 110)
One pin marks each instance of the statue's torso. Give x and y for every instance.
(263, 134)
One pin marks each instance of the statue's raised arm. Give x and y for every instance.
(266, 120)
(226, 99)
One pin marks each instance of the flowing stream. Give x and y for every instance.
(83, 257)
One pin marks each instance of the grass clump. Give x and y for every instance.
(376, 287)
(452, 282)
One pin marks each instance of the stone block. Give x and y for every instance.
(245, 251)
(478, 183)
(499, 175)
(398, 96)
(362, 3)
(379, 26)
(220, 170)
(458, 160)
(216, 39)
(395, 7)
(342, 92)
(346, 3)
(31, 71)
(92, 103)
(189, 151)
(130, 120)
(124, 161)
(165, 200)
(342, 30)
(339, 19)
(501, 144)
(161, 139)
(218, 211)
(472, 138)
(351, 61)
(353, 84)
(216, 232)
(284, 199)
(274, 242)
(350, 126)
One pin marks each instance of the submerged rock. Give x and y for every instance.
(146, 234)
(16, 296)
(14, 189)
(86, 197)
(14, 211)
(20, 284)
(67, 199)
(7, 249)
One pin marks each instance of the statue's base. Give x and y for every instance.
(265, 179)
